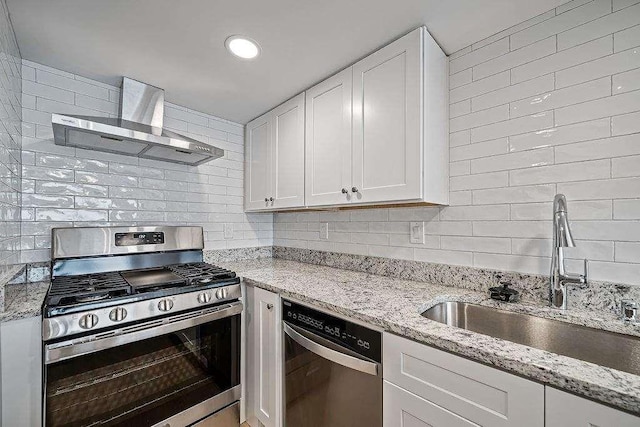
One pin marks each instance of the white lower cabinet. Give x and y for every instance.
(21, 372)
(566, 410)
(263, 357)
(429, 387)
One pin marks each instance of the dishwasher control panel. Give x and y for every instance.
(358, 338)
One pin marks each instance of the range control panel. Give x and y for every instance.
(140, 238)
(360, 339)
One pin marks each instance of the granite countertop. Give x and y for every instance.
(22, 300)
(395, 305)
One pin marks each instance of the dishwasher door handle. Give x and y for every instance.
(331, 354)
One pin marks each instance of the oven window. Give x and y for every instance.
(145, 382)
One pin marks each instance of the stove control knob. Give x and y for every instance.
(204, 298)
(88, 321)
(118, 314)
(222, 293)
(165, 305)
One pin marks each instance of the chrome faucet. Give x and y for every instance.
(562, 238)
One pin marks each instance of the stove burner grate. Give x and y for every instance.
(201, 273)
(67, 290)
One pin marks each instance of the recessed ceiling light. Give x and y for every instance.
(242, 47)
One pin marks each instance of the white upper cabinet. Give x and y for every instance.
(257, 185)
(288, 154)
(328, 141)
(274, 158)
(375, 133)
(387, 106)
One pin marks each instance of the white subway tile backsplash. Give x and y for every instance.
(619, 188)
(479, 118)
(477, 244)
(524, 194)
(460, 108)
(483, 180)
(627, 252)
(604, 66)
(594, 89)
(515, 126)
(515, 58)
(514, 92)
(606, 25)
(480, 149)
(467, 213)
(570, 5)
(626, 209)
(610, 106)
(626, 39)
(461, 78)
(482, 54)
(517, 160)
(561, 60)
(627, 81)
(459, 138)
(625, 124)
(621, 4)
(579, 171)
(590, 209)
(625, 166)
(596, 129)
(617, 146)
(479, 87)
(67, 82)
(514, 29)
(561, 22)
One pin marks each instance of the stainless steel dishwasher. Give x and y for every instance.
(332, 370)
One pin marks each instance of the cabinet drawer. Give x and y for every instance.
(404, 409)
(470, 390)
(566, 410)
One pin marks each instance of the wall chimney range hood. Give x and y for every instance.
(137, 132)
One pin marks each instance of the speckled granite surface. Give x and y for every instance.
(226, 255)
(395, 305)
(22, 295)
(597, 296)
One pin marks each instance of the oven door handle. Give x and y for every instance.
(64, 350)
(330, 354)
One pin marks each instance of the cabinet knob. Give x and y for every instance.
(269, 306)
(344, 191)
(271, 199)
(266, 199)
(354, 189)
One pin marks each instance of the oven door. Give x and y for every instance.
(173, 371)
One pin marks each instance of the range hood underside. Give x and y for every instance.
(114, 135)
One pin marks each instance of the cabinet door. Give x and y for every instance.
(21, 372)
(264, 357)
(387, 135)
(257, 183)
(475, 393)
(566, 410)
(328, 141)
(288, 154)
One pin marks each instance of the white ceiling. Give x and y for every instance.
(179, 45)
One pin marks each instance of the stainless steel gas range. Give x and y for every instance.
(139, 331)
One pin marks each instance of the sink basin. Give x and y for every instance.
(603, 348)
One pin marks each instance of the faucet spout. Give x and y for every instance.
(562, 238)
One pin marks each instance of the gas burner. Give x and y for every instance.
(201, 273)
(69, 290)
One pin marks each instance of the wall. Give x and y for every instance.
(548, 106)
(65, 186)
(10, 140)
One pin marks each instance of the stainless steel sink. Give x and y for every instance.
(604, 348)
